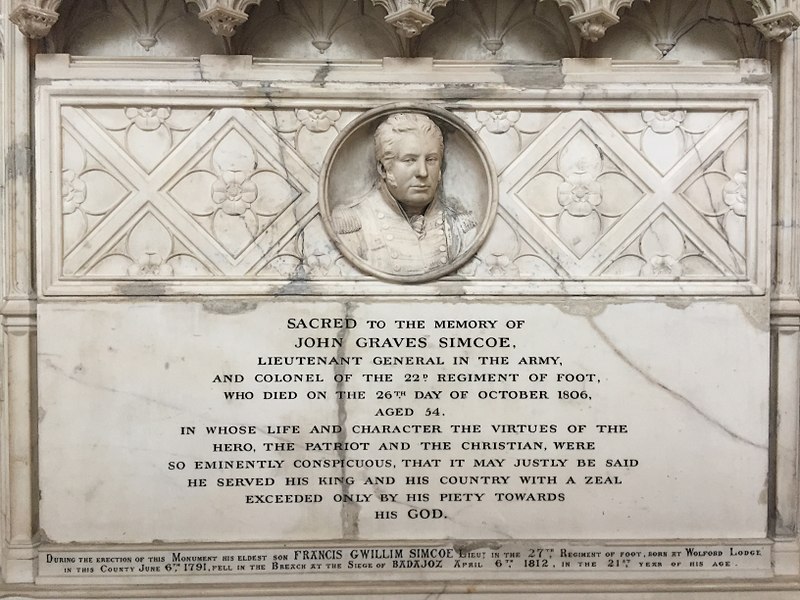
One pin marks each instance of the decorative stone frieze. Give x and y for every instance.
(224, 16)
(35, 18)
(410, 17)
(594, 17)
(776, 19)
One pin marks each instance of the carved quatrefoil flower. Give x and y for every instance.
(147, 118)
(664, 121)
(317, 265)
(235, 192)
(73, 191)
(150, 264)
(500, 264)
(318, 120)
(498, 121)
(662, 247)
(580, 194)
(662, 265)
(735, 194)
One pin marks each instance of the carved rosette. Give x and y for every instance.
(35, 18)
(776, 19)
(594, 17)
(410, 17)
(224, 16)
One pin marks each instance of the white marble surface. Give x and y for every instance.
(216, 191)
(162, 249)
(117, 381)
(606, 188)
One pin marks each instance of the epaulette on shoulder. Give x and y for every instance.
(345, 219)
(462, 218)
(466, 222)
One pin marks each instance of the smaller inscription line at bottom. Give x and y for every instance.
(487, 558)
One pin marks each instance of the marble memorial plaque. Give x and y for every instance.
(374, 330)
(322, 421)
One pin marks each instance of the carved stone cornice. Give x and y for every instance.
(776, 19)
(224, 16)
(35, 18)
(410, 17)
(593, 17)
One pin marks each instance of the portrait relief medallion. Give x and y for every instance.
(408, 193)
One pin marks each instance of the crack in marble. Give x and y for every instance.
(350, 511)
(149, 399)
(437, 594)
(50, 364)
(706, 164)
(741, 26)
(683, 399)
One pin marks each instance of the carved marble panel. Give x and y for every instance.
(205, 193)
(224, 195)
(610, 208)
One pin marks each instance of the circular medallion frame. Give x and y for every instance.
(350, 171)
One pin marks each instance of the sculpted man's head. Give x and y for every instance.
(409, 149)
(406, 226)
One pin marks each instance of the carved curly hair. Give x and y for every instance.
(399, 123)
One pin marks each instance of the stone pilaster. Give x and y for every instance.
(786, 307)
(17, 313)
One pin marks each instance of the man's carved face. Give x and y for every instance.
(412, 176)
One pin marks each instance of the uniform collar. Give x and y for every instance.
(430, 211)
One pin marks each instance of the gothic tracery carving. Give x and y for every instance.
(224, 16)
(776, 19)
(410, 17)
(593, 17)
(35, 18)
